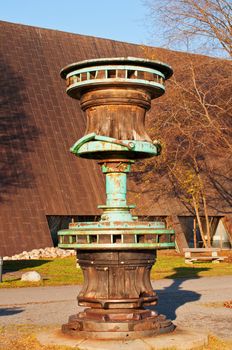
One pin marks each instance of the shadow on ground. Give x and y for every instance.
(12, 269)
(173, 296)
(8, 311)
(16, 265)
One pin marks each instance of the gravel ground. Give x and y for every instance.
(195, 303)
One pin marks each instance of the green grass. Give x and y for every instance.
(64, 272)
(54, 272)
(173, 266)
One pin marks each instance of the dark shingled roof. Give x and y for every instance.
(38, 124)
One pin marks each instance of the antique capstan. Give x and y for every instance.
(116, 253)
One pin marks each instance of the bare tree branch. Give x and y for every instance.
(203, 24)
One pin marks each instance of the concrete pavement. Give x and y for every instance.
(191, 303)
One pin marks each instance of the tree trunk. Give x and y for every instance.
(204, 206)
(207, 220)
(199, 222)
(194, 233)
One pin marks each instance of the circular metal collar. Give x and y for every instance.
(162, 67)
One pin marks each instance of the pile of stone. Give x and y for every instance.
(49, 253)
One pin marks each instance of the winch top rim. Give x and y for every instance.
(143, 62)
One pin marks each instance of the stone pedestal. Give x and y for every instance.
(116, 289)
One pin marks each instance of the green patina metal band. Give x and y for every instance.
(124, 231)
(116, 225)
(116, 246)
(107, 68)
(120, 61)
(134, 82)
(116, 207)
(85, 144)
(143, 147)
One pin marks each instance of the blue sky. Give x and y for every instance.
(123, 20)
